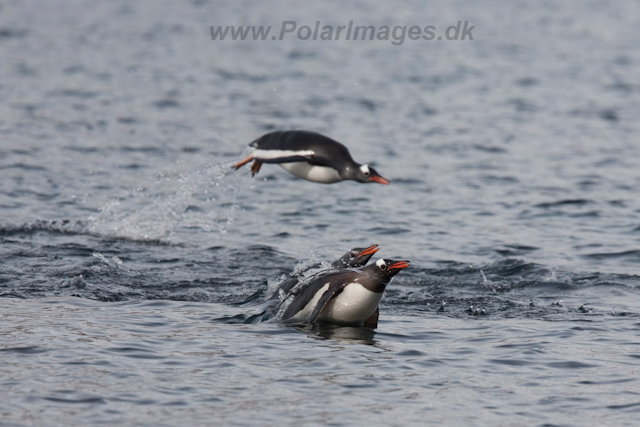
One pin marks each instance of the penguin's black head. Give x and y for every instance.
(389, 268)
(356, 257)
(365, 173)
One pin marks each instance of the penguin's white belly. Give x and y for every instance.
(353, 305)
(321, 174)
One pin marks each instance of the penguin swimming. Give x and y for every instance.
(310, 156)
(348, 297)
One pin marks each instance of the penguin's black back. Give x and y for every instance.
(328, 152)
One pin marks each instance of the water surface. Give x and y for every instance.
(127, 244)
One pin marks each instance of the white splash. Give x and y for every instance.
(174, 200)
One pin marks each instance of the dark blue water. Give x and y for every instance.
(127, 244)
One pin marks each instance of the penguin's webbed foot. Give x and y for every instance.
(255, 167)
(372, 321)
(242, 163)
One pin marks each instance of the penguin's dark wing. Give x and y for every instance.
(307, 290)
(319, 160)
(335, 288)
(302, 298)
(282, 156)
(275, 156)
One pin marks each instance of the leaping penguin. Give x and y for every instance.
(310, 156)
(348, 297)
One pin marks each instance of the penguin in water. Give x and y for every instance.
(310, 156)
(349, 297)
(356, 257)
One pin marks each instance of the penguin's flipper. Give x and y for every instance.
(286, 157)
(372, 321)
(334, 290)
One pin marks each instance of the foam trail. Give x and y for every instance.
(175, 200)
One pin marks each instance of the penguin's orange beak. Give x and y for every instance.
(369, 251)
(379, 180)
(400, 264)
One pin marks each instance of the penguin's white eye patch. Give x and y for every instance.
(381, 264)
(365, 170)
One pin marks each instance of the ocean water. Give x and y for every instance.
(128, 246)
